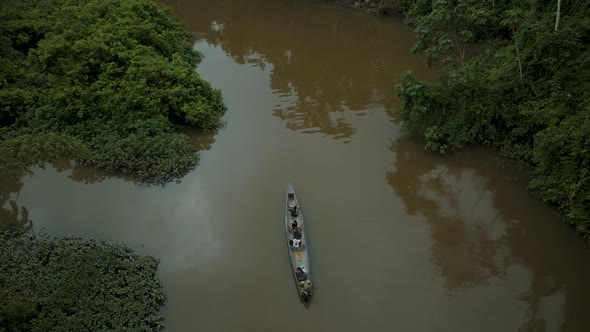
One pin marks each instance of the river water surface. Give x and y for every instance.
(401, 239)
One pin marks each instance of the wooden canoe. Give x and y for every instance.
(299, 255)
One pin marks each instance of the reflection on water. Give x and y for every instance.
(11, 215)
(177, 219)
(457, 245)
(199, 140)
(465, 227)
(321, 67)
(85, 174)
(487, 231)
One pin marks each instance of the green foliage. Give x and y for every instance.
(392, 7)
(445, 27)
(524, 94)
(385, 7)
(562, 156)
(114, 74)
(70, 284)
(146, 148)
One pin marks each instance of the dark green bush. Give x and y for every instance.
(100, 71)
(526, 93)
(70, 284)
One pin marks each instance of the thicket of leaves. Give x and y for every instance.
(70, 284)
(379, 7)
(526, 93)
(115, 75)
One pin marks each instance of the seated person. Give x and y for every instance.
(307, 288)
(294, 224)
(295, 243)
(300, 274)
(294, 211)
(297, 235)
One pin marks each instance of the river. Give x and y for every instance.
(401, 239)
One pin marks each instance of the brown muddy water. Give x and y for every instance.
(401, 239)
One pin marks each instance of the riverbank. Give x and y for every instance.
(105, 83)
(520, 108)
(374, 7)
(522, 94)
(447, 234)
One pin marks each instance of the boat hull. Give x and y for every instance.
(299, 257)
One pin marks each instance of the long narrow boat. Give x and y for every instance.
(298, 248)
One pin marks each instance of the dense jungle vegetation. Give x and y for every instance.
(526, 92)
(113, 76)
(70, 284)
(106, 83)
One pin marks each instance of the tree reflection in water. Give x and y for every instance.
(321, 69)
(14, 217)
(11, 216)
(488, 231)
(453, 199)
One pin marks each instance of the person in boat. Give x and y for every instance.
(307, 287)
(306, 296)
(295, 243)
(294, 211)
(295, 224)
(300, 274)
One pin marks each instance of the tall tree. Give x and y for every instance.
(445, 27)
(557, 14)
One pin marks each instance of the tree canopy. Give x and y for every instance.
(525, 93)
(106, 83)
(117, 76)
